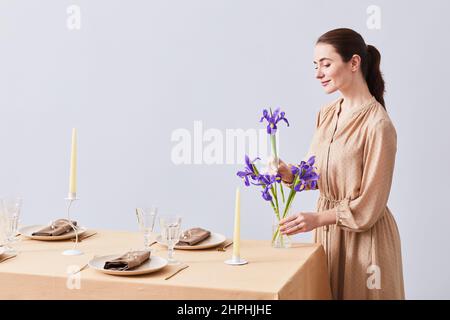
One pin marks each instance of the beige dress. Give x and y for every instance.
(355, 157)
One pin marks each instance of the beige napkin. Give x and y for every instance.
(58, 228)
(128, 261)
(193, 236)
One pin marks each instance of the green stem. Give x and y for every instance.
(291, 196)
(290, 199)
(275, 234)
(274, 193)
(276, 207)
(273, 141)
(282, 191)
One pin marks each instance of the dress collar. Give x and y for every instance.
(357, 109)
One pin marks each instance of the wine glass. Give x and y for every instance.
(10, 212)
(146, 219)
(3, 237)
(170, 234)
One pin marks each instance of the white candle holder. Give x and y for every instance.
(74, 251)
(236, 261)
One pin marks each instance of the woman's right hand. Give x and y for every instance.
(285, 171)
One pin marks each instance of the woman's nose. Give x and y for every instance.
(319, 74)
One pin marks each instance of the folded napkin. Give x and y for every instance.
(128, 261)
(193, 236)
(57, 228)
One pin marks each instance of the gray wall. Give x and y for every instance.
(136, 71)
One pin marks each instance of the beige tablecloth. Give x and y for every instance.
(40, 271)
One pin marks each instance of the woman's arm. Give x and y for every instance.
(325, 218)
(360, 214)
(307, 221)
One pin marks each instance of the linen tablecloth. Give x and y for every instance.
(40, 271)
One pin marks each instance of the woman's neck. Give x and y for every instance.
(355, 95)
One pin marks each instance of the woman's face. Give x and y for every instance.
(333, 73)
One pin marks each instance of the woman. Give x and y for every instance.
(355, 145)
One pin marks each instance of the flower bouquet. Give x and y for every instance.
(305, 177)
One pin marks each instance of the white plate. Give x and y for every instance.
(154, 264)
(2, 250)
(214, 240)
(28, 232)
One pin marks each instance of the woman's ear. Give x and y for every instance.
(355, 62)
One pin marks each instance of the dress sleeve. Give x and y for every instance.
(361, 213)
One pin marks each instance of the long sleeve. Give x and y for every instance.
(361, 213)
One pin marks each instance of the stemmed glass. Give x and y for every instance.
(146, 219)
(170, 234)
(9, 220)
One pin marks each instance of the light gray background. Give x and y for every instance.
(138, 70)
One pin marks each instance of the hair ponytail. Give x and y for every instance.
(374, 77)
(348, 42)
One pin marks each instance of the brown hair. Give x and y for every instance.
(348, 42)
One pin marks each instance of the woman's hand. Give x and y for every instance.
(285, 171)
(299, 222)
(307, 221)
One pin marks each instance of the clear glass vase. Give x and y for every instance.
(279, 240)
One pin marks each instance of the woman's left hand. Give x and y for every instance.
(299, 222)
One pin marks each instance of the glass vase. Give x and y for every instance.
(279, 240)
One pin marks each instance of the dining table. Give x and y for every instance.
(39, 270)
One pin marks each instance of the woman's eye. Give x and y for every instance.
(326, 65)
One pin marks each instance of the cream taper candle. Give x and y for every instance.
(237, 226)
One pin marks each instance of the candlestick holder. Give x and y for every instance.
(74, 251)
(236, 261)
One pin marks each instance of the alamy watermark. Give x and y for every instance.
(215, 146)
(73, 281)
(374, 280)
(373, 21)
(73, 21)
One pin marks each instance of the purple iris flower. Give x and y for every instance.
(273, 119)
(266, 194)
(249, 171)
(267, 180)
(307, 176)
(252, 176)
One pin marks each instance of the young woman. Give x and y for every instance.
(355, 145)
